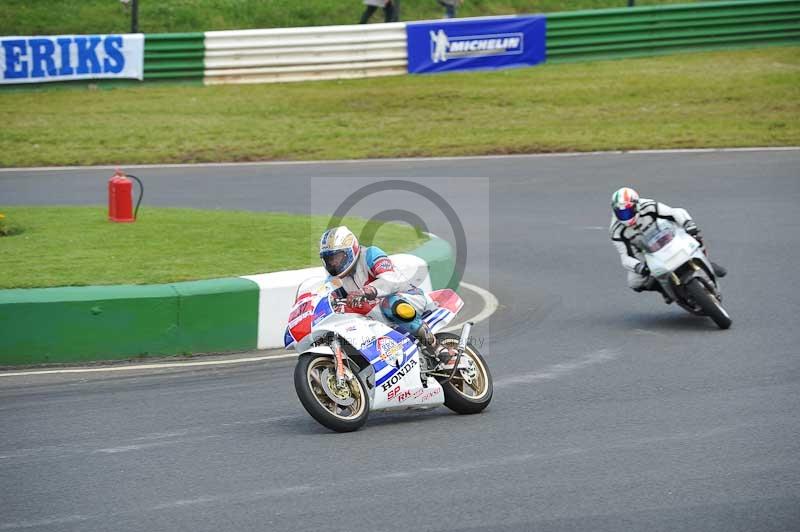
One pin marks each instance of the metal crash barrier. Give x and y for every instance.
(360, 51)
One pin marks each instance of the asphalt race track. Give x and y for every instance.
(611, 412)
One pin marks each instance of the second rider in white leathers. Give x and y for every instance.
(630, 215)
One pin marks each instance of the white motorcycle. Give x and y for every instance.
(351, 365)
(679, 264)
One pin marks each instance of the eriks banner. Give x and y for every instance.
(71, 57)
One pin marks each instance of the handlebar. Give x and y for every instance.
(339, 304)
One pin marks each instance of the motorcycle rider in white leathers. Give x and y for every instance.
(631, 214)
(367, 274)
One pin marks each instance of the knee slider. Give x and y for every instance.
(403, 311)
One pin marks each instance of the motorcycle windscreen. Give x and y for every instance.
(656, 240)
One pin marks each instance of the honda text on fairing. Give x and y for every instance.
(679, 264)
(350, 364)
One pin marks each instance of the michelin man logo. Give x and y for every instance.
(439, 45)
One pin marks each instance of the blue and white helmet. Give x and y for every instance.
(339, 250)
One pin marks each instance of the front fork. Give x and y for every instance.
(712, 287)
(462, 345)
(338, 354)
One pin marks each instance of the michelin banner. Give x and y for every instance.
(476, 43)
(71, 57)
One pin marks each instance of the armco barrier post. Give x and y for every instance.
(134, 16)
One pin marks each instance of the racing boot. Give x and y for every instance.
(426, 336)
(667, 300)
(719, 271)
(427, 339)
(427, 343)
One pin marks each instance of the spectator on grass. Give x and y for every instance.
(389, 11)
(450, 7)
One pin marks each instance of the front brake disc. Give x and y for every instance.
(469, 374)
(340, 396)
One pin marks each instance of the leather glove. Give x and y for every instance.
(642, 269)
(691, 228)
(357, 298)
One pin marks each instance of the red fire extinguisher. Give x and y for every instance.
(120, 197)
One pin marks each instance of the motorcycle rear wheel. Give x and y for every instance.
(343, 410)
(469, 391)
(710, 305)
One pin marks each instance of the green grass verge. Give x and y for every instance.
(53, 17)
(712, 99)
(76, 246)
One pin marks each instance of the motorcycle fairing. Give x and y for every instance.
(683, 256)
(669, 258)
(300, 319)
(391, 350)
(446, 299)
(448, 305)
(403, 389)
(393, 374)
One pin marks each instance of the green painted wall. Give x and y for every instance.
(54, 325)
(218, 315)
(82, 324)
(441, 262)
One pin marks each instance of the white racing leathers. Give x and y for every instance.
(376, 269)
(627, 239)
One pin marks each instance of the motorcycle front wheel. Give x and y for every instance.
(470, 390)
(339, 409)
(710, 305)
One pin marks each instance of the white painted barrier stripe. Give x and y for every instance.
(404, 159)
(490, 305)
(300, 54)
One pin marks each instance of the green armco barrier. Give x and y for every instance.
(586, 35)
(441, 262)
(655, 30)
(174, 56)
(77, 324)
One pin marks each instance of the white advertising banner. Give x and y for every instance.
(71, 57)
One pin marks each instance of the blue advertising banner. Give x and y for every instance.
(71, 57)
(476, 43)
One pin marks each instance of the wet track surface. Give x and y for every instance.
(611, 412)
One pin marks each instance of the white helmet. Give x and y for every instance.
(624, 203)
(339, 250)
